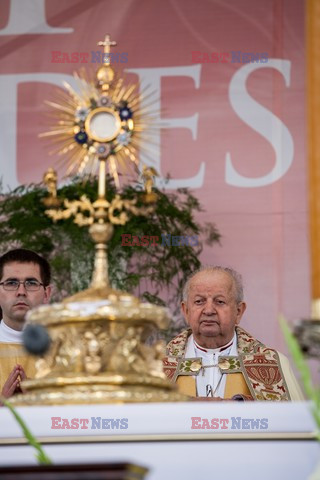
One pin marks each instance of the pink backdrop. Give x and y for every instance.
(233, 132)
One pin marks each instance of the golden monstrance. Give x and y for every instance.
(99, 351)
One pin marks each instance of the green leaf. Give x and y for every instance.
(311, 391)
(42, 458)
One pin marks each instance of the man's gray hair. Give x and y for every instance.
(236, 277)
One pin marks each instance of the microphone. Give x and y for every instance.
(36, 339)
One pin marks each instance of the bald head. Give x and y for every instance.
(235, 277)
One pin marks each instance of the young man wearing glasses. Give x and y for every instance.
(24, 284)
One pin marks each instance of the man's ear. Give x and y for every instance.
(241, 308)
(47, 294)
(184, 310)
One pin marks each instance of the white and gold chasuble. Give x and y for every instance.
(12, 353)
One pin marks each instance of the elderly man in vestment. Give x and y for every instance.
(24, 284)
(215, 358)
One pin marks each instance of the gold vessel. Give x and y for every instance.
(100, 349)
(99, 353)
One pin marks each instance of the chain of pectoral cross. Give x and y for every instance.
(209, 392)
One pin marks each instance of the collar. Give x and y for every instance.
(246, 343)
(9, 335)
(215, 350)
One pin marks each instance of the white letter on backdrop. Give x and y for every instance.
(262, 121)
(29, 16)
(151, 77)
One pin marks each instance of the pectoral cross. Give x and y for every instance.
(209, 391)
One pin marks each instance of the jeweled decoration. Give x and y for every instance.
(101, 111)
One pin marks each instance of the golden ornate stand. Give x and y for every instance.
(99, 351)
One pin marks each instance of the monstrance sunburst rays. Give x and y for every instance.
(100, 119)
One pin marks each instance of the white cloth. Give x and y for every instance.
(8, 335)
(210, 381)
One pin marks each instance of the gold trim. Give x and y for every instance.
(98, 111)
(164, 438)
(313, 121)
(315, 309)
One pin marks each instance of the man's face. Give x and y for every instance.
(15, 304)
(211, 309)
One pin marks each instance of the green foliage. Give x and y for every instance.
(152, 272)
(42, 458)
(312, 392)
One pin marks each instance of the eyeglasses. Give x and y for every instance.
(29, 285)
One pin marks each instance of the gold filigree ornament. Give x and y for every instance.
(50, 179)
(99, 349)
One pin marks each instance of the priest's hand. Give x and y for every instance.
(12, 384)
(23, 377)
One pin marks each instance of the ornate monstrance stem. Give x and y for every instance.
(101, 232)
(100, 271)
(102, 179)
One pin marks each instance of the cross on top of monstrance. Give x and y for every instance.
(99, 349)
(107, 43)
